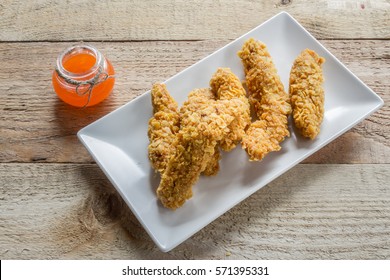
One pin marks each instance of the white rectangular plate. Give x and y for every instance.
(118, 142)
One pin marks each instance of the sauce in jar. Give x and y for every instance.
(83, 76)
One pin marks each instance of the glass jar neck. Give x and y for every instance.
(75, 51)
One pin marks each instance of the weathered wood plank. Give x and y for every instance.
(36, 126)
(123, 20)
(71, 211)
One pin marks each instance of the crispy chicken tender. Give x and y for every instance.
(226, 86)
(307, 93)
(163, 127)
(209, 117)
(201, 99)
(268, 98)
(203, 124)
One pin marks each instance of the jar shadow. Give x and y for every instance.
(70, 120)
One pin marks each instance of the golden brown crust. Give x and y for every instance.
(163, 127)
(208, 118)
(227, 87)
(162, 101)
(212, 166)
(203, 124)
(307, 93)
(268, 98)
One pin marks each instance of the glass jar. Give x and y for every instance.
(83, 76)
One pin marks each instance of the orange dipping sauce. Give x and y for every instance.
(83, 76)
(79, 63)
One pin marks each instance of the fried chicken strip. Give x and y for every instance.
(163, 127)
(268, 98)
(203, 124)
(208, 118)
(307, 93)
(227, 87)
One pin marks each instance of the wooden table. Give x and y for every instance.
(56, 203)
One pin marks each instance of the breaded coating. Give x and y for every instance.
(201, 102)
(212, 166)
(268, 98)
(163, 127)
(162, 101)
(227, 87)
(307, 93)
(208, 118)
(203, 124)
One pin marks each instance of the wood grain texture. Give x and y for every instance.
(36, 126)
(122, 20)
(71, 211)
(56, 203)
